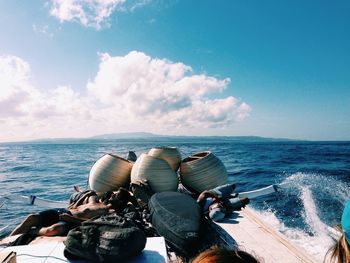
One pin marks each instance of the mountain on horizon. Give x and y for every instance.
(125, 135)
(144, 136)
(147, 135)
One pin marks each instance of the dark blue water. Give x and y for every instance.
(318, 176)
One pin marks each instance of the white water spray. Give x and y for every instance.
(310, 216)
(314, 237)
(320, 230)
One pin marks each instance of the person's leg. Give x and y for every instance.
(57, 229)
(33, 220)
(223, 191)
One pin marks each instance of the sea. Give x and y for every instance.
(316, 177)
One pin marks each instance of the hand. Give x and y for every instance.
(205, 194)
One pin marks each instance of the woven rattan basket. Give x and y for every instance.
(202, 171)
(169, 154)
(109, 173)
(156, 172)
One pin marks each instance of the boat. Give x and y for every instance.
(244, 229)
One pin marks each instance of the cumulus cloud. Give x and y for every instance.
(22, 105)
(15, 88)
(160, 91)
(91, 13)
(129, 93)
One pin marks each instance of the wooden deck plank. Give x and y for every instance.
(258, 238)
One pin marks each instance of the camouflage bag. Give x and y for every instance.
(110, 238)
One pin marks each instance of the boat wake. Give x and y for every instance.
(321, 201)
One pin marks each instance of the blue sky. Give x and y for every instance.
(268, 68)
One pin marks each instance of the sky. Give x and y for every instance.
(80, 68)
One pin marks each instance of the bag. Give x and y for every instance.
(110, 238)
(177, 217)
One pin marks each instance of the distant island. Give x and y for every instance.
(145, 136)
(129, 135)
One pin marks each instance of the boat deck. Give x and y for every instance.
(244, 229)
(258, 238)
(52, 252)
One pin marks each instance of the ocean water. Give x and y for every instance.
(317, 173)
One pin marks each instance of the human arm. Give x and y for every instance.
(86, 197)
(206, 194)
(70, 219)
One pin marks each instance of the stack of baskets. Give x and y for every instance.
(159, 168)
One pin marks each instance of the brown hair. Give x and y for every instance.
(340, 252)
(222, 255)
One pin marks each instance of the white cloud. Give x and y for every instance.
(27, 112)
(162, 92)
(129, 93)
(15, 88)
(91, 13)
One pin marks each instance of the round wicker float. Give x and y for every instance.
(156, 172)
(109, 173)
(169, 154)
(202, 171)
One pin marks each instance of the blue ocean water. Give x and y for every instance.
(317, 173)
